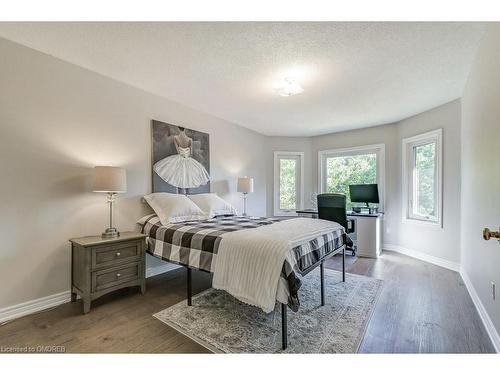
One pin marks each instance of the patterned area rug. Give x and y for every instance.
(222, 324)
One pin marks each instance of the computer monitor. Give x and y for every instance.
(367, 193)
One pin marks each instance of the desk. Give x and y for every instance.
(367, 236)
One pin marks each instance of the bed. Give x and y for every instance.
(195, 245)
(263, 256)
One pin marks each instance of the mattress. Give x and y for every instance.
(194, 244)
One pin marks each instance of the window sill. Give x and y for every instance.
(435, 224)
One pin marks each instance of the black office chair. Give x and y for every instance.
(332, 206)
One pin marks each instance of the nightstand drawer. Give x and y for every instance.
(113, 255)
(111, 277)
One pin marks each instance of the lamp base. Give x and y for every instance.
(244, 204)
(110, 233)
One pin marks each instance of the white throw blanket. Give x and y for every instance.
(249, 262)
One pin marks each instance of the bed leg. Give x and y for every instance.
(343, 263)
(189, 286)
(284, 328)
(322, 276)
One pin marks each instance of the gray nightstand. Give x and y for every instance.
(102, 265)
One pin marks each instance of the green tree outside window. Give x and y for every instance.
(425, 180)
(288, 184)
(342, 171)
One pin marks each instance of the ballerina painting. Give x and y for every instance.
(180, 159)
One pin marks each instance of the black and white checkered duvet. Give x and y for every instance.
(195, 244)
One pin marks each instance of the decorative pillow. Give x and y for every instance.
(213, 205)
(174, 208)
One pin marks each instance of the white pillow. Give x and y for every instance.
(212, 204)
(174, 208)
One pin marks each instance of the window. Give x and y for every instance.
(288, 182)
(349, 166)
(422, 173)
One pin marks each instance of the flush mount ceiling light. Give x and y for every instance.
(289, 87)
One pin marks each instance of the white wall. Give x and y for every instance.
(56, 122)
(442, 243)
(481, 176)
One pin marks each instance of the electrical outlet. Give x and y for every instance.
(493, 290)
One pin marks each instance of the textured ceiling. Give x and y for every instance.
(355, 75)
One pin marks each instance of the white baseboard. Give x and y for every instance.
(162, 268)
(44, 303)
(423, 256)
(33, 306)
(488, 324)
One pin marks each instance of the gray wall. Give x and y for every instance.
(438, 242)
(442, 242)
(481, 172)
(57, 121)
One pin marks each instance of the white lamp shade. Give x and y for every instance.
(110, 180)
(245, 184)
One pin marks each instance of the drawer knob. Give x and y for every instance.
(118, 274)
(118, 254)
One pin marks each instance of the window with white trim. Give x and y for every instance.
(422, 178)
(288, 182)
(340, 168)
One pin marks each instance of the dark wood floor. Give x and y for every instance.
(422, 309)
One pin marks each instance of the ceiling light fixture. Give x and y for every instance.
(289, 87)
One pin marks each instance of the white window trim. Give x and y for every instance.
(378, 149)
(277, 210)
(407, 144)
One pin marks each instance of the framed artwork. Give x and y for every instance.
(180, 159)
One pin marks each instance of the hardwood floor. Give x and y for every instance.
(422, 309)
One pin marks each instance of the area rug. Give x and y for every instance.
(222, 324)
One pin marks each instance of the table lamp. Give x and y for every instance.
(110, 180)
(245, 186)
